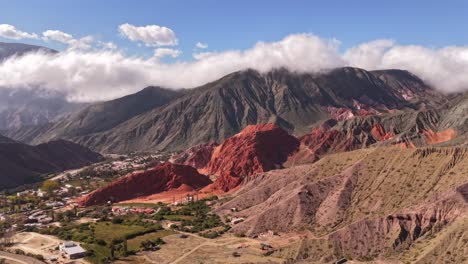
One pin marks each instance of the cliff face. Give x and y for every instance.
(257, 148)
(197, 156)
(163, 177)
(403, 128)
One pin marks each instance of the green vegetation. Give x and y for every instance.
(134, 244)
(49, 186)
(194, 217)
(110, 239)
(151, 244)
(140, 205)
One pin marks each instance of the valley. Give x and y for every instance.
(338, 166)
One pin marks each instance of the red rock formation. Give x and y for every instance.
(163, 177)
(329, 139)
(257, 148)
(197, 156)
(432, 137)
(378, 132)
(340, 113)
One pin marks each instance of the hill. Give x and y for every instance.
(362, 204)
(97, 117)
(162, 178)
(22, 164)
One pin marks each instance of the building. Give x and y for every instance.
(237, 220)
(72, 250)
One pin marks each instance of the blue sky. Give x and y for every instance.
(225, 25)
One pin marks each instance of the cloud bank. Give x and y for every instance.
(102, 74)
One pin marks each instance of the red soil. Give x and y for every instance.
(162, 178)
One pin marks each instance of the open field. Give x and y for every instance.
(108, 231)
(39, 244)
(196, 249)
(134, 243)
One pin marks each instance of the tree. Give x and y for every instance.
(124, 248)
(49, 186)
(151, 244)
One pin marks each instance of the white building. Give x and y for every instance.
(72, 250)
(237, 220)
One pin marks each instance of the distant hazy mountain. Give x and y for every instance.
(222, 108)
(10, 49)
(22, 164)
(20, 108)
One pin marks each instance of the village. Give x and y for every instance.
(45, 224)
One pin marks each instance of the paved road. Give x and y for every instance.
(19, 258)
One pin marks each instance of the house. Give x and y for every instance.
(237, 220)
(265, 246)
(45, 220)
(24, 193)
(55, 204)
(40, 193)
(269, 233)
(72, 250)
(37, 215)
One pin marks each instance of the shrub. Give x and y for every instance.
(101, 242)
(117, 220)
(211, 235)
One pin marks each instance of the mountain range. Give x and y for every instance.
(171, 120)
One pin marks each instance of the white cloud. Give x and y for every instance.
(150, 35)
(91, 75)
(368, 55)
(107, 45)
(11, 32)
(84, 43)
(201, 55)
(445, 68)
(163, 52)
(201, 45)
(57, 35)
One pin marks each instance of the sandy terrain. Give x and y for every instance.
(196, 249)
(44, 245)
(18, 259)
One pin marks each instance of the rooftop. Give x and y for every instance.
(70, 248)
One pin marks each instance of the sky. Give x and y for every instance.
(183, 44)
